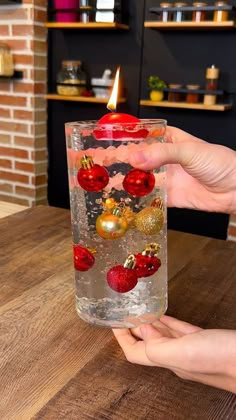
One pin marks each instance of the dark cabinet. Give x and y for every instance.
(140, 51)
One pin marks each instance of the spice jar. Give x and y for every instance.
(192, 97)
(221, 15)
(85, 11)
(6, 60)
(212, 76)
(198, 14)
(179, 14)
(71, 80)
(174, 96)
(165, 15)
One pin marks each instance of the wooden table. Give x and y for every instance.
(55, 366)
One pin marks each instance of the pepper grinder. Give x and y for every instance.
(212, 76)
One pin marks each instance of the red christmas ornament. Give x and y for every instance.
(139, 183)
(92, 177)
(83, 259)
(117, 126)
(123, 278)
(146, 266)
(147, 262)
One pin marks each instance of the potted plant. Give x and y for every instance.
(156, 86)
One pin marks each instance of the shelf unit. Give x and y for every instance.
(201, 106)
(89, 25)
(230, 24)
(55, 97)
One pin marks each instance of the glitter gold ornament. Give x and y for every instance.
(112, 225)
(149, 220)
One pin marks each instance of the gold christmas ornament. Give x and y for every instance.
(112, 225)
(109, 204)
(149, 220)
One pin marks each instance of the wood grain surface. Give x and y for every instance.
(55, 366)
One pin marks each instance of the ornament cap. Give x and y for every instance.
(119, 210)
(158, 203)
(86, 162)
(109, 204)
(130, 262)
(151, 249)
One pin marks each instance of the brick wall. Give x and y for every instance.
(23, 143)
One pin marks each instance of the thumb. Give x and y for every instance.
(160, 154)
(161, 350)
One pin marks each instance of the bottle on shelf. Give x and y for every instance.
(192, 97)
(179, 15)
(221, 15)
(101, 86)
(174, 96)
(71, 79)
(199, 15)
(165, 15)
(85, 15)
(212, 76)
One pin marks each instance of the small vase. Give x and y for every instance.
(156, 95)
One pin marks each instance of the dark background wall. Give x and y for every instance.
(175, 56)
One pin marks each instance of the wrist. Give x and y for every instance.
(228, 361)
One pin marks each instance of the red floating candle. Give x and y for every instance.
(118, 126)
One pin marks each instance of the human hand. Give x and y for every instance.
(206, 356)
(201, 176)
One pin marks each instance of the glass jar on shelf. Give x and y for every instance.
(165, 15)
(85, 11)
(179, 15)
(6, 61)
(221, 15)
(71, 79)
(192, 97)
(199, 15)
(175, 96)
(212, 76)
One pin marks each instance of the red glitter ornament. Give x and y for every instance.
(146, 266)
(92, 177)
(118, 126)
(123, 278)
(147, 262)
(83, 259)
(139, 183)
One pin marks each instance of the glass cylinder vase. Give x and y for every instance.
(118, 217)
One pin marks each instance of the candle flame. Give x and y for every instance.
(113, 98)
